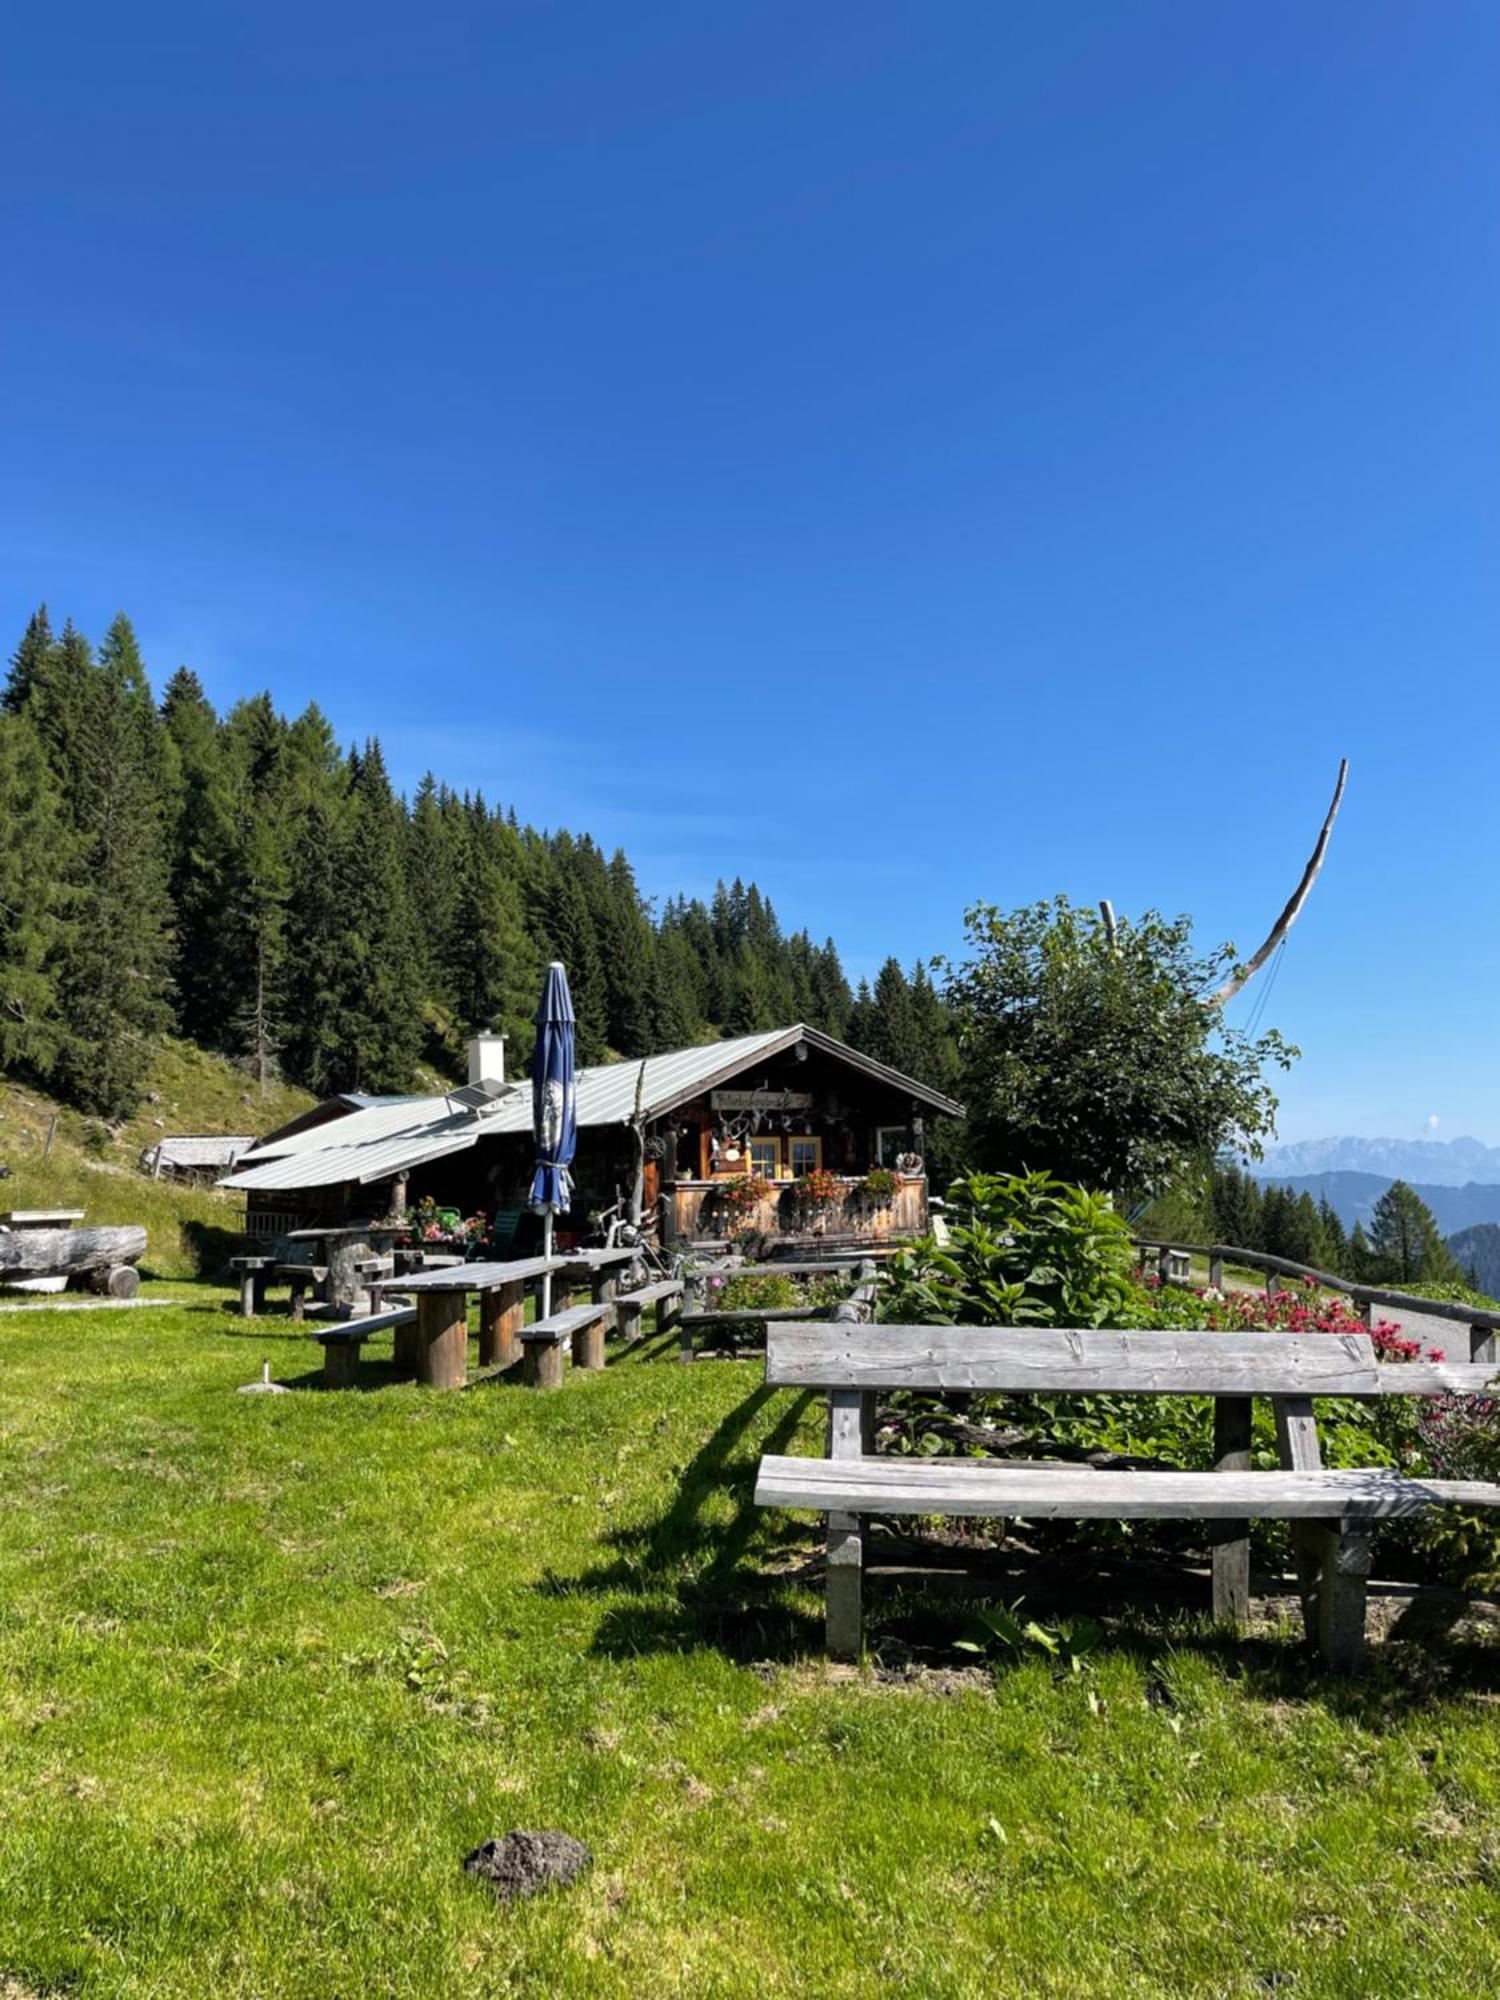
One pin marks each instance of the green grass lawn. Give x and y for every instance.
(269, 1666)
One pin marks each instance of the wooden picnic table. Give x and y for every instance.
(436, 1349)
(347, 1245)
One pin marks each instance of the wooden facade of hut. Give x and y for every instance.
(724, 1137)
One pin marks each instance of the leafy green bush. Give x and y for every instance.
(1024, 1250)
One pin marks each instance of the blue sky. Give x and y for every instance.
(905, 454)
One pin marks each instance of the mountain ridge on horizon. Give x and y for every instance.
(1436, 1162)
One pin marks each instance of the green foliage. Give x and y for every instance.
(1005, 1629)
(1406, 1244)
(1097, 1061)
(34, 904)
(1024, 1249)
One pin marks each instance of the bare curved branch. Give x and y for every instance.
(1289, 915)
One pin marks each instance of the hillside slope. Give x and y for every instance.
(95, 1167)
(1353, 1197)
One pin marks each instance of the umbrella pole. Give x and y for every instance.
(547, 1275)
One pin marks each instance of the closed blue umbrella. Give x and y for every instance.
(554, 1109)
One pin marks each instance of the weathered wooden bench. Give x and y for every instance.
(542, 1342)
(665, 1294)
(342, 1340)
(1333, 1513)
(302, 1279)
(252, 1275)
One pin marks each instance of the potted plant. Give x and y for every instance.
(879, 1186)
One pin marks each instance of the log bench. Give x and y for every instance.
(302, 1278)
(542, 1342)
(1333, 1514)
(342, 1341)
(252, 1275)
(665, 1295)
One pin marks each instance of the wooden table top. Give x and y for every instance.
(517, 1271)
(40, 1218)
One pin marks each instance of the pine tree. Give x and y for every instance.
(1335, 1239)
(115, 971)
(33, 904)
(1360, 1263)
(491, 967)
(29, 663)
(570, 938)
(1405, 1242)
(199, 825)
(382, 993)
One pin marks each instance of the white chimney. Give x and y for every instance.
(487, 1058)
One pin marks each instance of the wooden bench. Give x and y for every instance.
(1333, 1514)
(665, 1295)
(302, 1278)
(252, 1274)
(542, 1342)
(342, 1342)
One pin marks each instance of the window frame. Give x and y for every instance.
(795, 1139)
(765, 1139)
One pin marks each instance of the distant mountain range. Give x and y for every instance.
(1433, 1162)
(1353, 1196)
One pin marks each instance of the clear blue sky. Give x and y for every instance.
(903, 453)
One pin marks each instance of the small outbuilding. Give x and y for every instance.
(787, 1132)
(194, 1156)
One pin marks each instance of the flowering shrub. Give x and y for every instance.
(879, 1187)
(819, 1187)
(743, 1195)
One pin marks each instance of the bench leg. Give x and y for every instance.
(669, 1315)
(298, 1304)
(628, 1321)
(247, 1295)
(340, 1364)
(844, 1624)
(542, 1364)
(588, 1346)
(1333, 1568)
(1231, 1539)
(404, 1344)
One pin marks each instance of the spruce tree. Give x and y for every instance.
(28, 663)
(33, 904)
(1405, 1242)
(102, 747)
(200, 830)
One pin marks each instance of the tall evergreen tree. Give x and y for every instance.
(33, 904)
(115, 971)
(29, 663)
(1405, 1242)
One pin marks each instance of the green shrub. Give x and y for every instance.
(1024, 1250)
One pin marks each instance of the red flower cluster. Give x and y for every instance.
(1307, 1310)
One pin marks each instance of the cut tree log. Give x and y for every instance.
(67, 1253)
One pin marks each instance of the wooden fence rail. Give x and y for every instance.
(1481, 1321)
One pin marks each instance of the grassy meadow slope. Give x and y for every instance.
(270, 1666)
(96, 1167)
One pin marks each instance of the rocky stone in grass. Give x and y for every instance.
(523, 1863)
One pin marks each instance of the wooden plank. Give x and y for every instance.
(352, 1331)
(480, 1277)
(968, 1486)
(1061, 1360)
(1436, 1378)
(844, 1559)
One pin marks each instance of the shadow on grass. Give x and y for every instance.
(691, 1575)
(1154, 1612)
